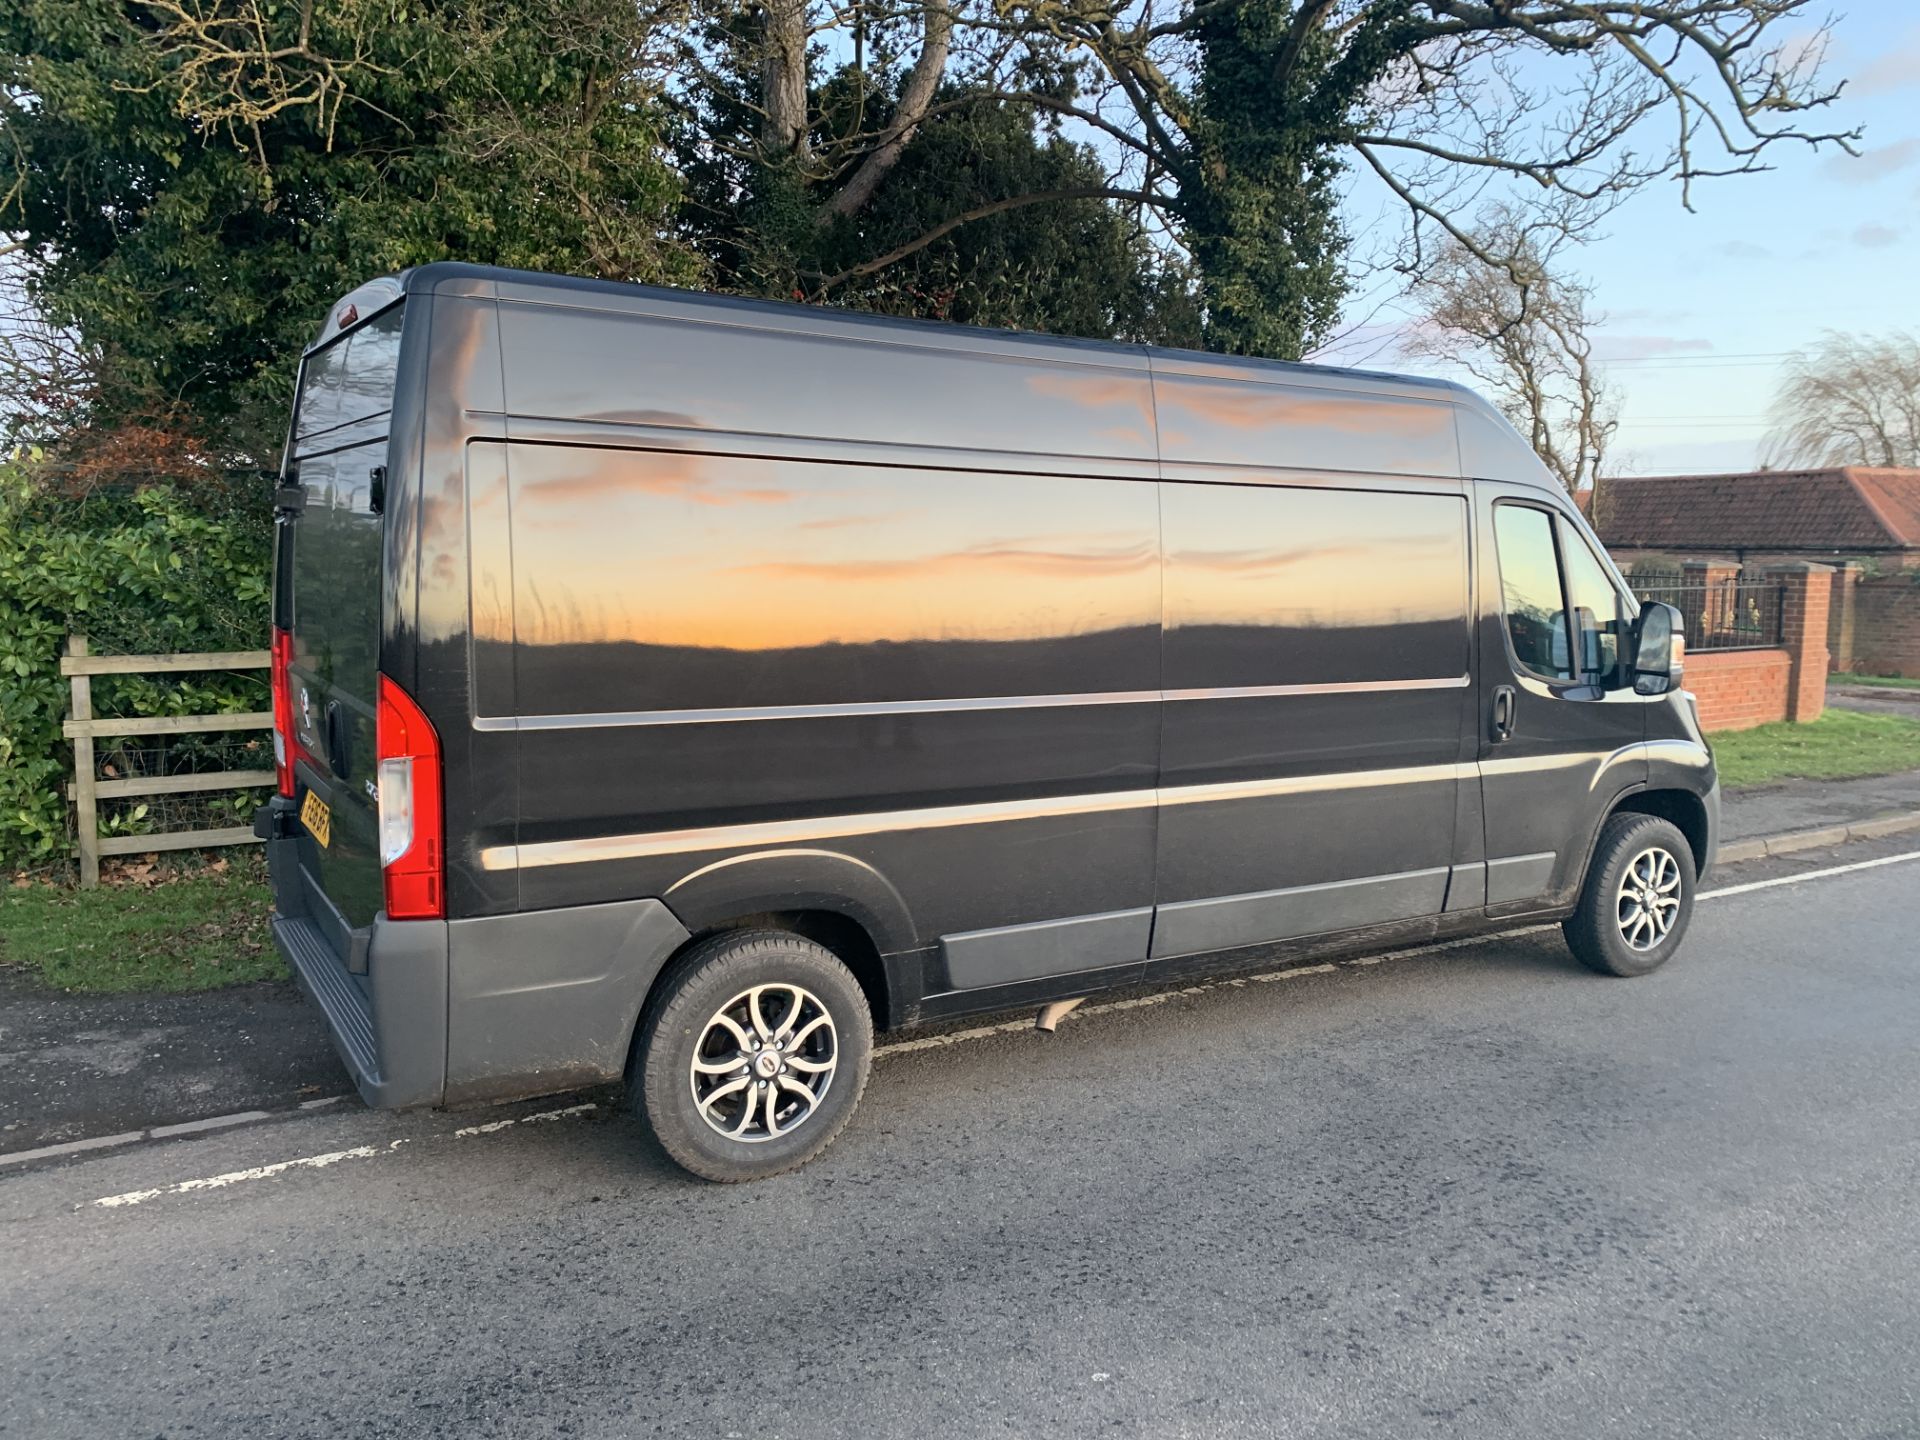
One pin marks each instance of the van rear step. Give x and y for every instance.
(349, 1013)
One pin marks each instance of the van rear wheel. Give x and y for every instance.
(1638, 898)
(753, 1055)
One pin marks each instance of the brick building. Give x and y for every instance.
(1714, 529)
(1828, 516)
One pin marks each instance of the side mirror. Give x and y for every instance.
(1659, 649)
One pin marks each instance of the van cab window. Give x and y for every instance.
(1530, 584)
(1594, 603)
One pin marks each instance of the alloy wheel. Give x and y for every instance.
(1648, 901)
(764, 1063)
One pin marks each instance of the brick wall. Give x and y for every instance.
(1886, 626)
(1840, 616)
(1738, 689)
(1803, 634)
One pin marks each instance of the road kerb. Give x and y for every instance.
(1822, 837)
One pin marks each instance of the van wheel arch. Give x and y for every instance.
(839, 933)
(1683, 809)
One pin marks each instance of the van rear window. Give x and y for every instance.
(352, 379)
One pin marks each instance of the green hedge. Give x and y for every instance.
(180, 566)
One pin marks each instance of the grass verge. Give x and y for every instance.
(1840, 745)
(171, 930)
(1884, 682)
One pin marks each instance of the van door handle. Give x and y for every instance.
(338, 760)
(1503, 706)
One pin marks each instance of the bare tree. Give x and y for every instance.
(1522, 331)
(1552, 108)
(1223, 125)
(1850, 400)
(46, 374)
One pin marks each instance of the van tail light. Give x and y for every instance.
(412, 832)
(282, 656)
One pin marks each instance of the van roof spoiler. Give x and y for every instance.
(358, 305)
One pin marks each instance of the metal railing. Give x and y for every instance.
(1727, 614)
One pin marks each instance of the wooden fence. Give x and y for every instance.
(83, 729)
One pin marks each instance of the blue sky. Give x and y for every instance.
(1701, 307)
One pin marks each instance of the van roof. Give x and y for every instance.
(1485, 434)
(489, 281)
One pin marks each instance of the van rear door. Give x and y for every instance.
(330, 547)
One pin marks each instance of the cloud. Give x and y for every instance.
(1895, 69)
(1658, 317)
(1804, 48)
(1639, 347)
(1875, 164)
(1876, 237)
(1741, 250)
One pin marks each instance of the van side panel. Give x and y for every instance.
(945, 680)
(1212, 416)
(1317, 676)
(678, 371)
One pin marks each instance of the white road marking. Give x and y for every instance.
(321, 1162)
(1801, 879)
(490, 1128)
(937, 1042)
(258, 1172)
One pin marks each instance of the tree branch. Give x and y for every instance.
(922, 81)
(981, 212)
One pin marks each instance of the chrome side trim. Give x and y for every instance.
(786, 832)
(1305, 784)
(827, 827)
(1354, 687)
(734, 713)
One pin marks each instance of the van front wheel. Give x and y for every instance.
(1638, 898)
(752, 1055)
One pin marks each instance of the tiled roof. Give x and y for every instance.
(1896, 495)
(1848, 509)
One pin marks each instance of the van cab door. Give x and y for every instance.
(1562, 734)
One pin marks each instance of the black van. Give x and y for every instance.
(682, 688)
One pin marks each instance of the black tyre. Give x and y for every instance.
(1638, 898)
(752, 1054)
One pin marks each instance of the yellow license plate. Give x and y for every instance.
(318, 819)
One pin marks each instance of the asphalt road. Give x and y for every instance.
(1470, 1192)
